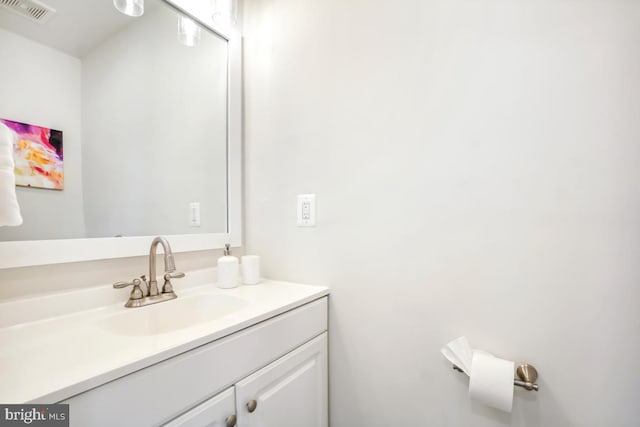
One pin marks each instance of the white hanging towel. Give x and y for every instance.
(9, 208)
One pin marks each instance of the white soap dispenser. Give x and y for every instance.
(227, 269)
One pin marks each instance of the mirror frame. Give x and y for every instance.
(42, 252)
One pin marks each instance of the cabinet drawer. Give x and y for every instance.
(157, 394)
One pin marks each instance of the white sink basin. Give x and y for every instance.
(172, 315)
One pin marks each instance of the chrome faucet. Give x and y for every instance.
(169, 263)
(150, 295)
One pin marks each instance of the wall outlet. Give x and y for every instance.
(306, 210)
(194, 214)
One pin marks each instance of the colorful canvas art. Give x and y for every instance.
(38, 156)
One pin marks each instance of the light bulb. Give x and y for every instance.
(130, 7)
(189, 32)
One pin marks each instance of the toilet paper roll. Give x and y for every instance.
(459, 353)
(491, 381)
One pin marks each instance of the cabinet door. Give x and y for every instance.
(290, 392)
(219, 411)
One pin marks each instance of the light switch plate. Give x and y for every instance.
(306, 210)
(194, 214)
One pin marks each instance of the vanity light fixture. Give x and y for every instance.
(130, 7)
(189, 32)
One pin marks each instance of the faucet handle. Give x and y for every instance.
(120, 285)
(136, 292)
(167, 288)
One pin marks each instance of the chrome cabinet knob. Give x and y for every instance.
(231, 420)
(252, 405)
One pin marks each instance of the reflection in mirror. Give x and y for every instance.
(143, 116)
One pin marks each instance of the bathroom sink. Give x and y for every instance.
(172, 315)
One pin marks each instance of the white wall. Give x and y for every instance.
(173, 153)
(476, 172)
(27, 282)
(41, 86)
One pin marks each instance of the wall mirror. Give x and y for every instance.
(147, 116)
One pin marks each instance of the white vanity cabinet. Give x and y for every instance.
(290, 392)
(280, 363)
(219, 411)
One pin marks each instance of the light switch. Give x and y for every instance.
(194, 214)
(306, 210)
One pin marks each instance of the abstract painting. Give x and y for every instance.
(38, 156)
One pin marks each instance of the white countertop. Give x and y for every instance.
(49, 360)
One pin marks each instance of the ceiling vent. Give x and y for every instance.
(30, 9)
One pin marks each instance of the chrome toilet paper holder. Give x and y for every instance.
(527, 376)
